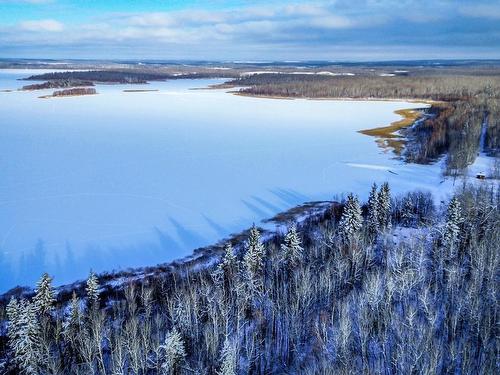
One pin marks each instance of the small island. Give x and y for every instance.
(141, 90)
(57, 84)
(71, 92)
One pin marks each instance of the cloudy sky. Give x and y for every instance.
(250, 30)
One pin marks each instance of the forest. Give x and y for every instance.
(397, 284)
(56, 84)
(125, 76)
(74, 92)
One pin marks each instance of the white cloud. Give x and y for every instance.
(229, 24)
(151, 20)
(332, 22)
(490, 11)
(47, 25)
(308, 26)
(27, 1)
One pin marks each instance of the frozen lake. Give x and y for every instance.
(121, 179)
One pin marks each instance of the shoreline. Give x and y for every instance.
(386, 136)
(64, 96)
(198, 255)
(116, 279)
(409, 116)
(360, 99)
(140, 90)
(204, 255)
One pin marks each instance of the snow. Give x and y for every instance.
(401, 234)
(484, 165)
(370, 166)
(335, 74)
(115, 180)
(323, 73)
(259, 72)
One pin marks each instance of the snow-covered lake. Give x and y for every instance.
(131, 179)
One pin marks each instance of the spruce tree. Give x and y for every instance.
(172, 352)
(372, 220)
(384, 207)
(45, 295)
(227, 266)
(229, 262)
(24, 336)
(92, 290)
(253, 260)
(12, 311)
(72, 324)
(407, 212)
(351, 220)
(292, 250)
(454, 218)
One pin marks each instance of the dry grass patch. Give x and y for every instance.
(386, 135)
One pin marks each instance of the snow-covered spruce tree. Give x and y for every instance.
(45, 296)
(407, 212)
(172, 352)
(92, 290)
(227, 267)
(24, 336)
(229, 262)
(372, 220)
(384, 207)
(228, 359)
(351, 220)
(12, 311)
(291, 248)
(253, 261)
(454, 218)
(92, 336)
(72, 325)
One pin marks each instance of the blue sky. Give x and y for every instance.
(250, 30)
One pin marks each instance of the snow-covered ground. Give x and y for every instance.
(121, 180)
(484, 165)
(322, 73)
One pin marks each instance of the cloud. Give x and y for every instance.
(47, 25)
(320, 29)
(151, 20)
(490, 11)
(332, 22)
(26, 1)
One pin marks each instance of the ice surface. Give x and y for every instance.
(121, 179)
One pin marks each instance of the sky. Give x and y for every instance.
(257, 30)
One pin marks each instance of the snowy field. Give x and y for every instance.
(120, 180)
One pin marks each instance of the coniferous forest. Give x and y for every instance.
(397, 284)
